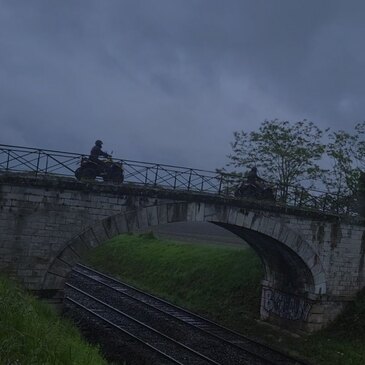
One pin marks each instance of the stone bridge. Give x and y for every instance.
(313, 263)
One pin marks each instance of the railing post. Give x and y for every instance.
(220, 184)
(8, 160)
(175, 180)
(38, 160)
(295, 196)
(324, 203)
(156, 176)
(46, 170)
(146, 178)
(191, 171)
(301, 197)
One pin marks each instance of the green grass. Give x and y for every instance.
(343, 341)
(32, 333)
(194, 276)
(223, 283)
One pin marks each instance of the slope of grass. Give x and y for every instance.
(223, 283)
(343, 341)
(32, 333)
(194, 276)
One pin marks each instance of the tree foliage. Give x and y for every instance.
(294, 155)
(346, 150)
(284, 152)
(342, 176)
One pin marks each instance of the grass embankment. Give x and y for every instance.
(32, 333)
(193, 276)
(223, 284)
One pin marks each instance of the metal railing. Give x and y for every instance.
(41, 162)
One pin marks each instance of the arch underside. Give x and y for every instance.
(285, 269)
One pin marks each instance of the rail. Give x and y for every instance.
(229, 338)
(40, 162)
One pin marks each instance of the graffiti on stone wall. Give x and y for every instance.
(285, 305)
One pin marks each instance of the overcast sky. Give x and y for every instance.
(170, 80)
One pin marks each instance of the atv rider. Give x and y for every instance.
(96, 152)
(254, 179)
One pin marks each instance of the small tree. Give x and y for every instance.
(347, 156)
(283, 152)
(343, 174)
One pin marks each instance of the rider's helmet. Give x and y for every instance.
(98, 142)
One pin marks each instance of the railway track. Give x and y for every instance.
(173, 334)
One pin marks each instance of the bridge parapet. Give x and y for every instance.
(42, 162)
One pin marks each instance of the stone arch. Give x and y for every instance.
(284, 269)
(291, 247)
(249, 225)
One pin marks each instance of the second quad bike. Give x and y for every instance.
(107, 169)
(260, 192)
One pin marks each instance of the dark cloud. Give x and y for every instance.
(170, 80)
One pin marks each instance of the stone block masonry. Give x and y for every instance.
(314, 263)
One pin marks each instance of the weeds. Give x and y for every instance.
(32, 333)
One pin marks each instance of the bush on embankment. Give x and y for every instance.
(223, 283)
(32, 333)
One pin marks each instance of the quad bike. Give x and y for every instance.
(108, 169)
(255, 191)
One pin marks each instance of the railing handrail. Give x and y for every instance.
(117, 159)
